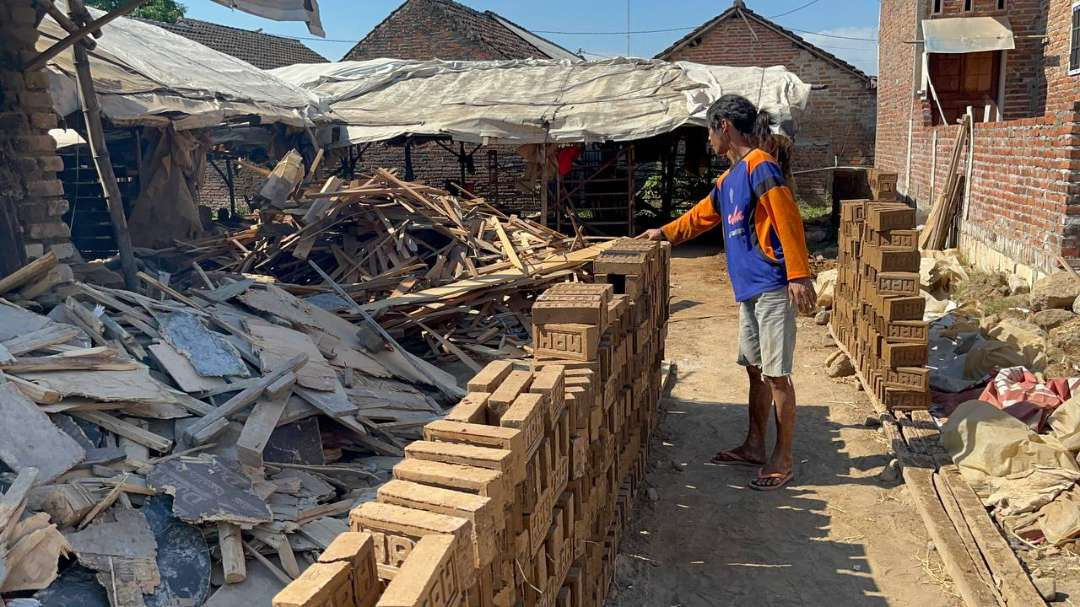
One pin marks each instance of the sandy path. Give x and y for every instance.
(838, 536)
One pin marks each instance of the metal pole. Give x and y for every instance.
(544, 184)
(95, 136)
(408, 161)
(232, 188)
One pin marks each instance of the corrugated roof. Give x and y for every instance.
(264, 51)
(486, 30)
(797, 39)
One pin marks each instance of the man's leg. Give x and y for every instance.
(782, 392)
(776, 319)
(752, 450)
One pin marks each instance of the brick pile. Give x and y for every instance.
(878, 309)
(520, 495)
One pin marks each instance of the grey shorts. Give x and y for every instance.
(767, 333)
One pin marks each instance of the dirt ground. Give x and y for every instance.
(836, 536)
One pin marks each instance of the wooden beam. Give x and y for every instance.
(95, 136)
(232, 553)
(95, 25)
(29, 272)
(973, 590)
(1016, 587)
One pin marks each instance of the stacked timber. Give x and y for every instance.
(878, 312)
(520, 495)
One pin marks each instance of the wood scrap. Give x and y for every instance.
(28, 439)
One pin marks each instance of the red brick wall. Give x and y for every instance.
(419, 30)
(1023, 191)
(28, 160)
(839, 120)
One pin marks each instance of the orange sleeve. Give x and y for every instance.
(779, 205)
(694, 222)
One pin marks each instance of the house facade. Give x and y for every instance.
(1019, 72)
(837, 128)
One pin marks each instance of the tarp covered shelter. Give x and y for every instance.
(535, 101)
(146, 75)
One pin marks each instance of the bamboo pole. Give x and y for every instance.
(95, 136)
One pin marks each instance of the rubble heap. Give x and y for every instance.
(220, 415)
(519, 496)
(878, 309)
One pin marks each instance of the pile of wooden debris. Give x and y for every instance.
(253, 399)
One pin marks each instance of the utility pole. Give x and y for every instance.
(627, 28)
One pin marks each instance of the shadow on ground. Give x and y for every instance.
(730, 545)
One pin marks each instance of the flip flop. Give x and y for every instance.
(728, 457)
(783, 477)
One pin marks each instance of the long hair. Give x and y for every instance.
(753, 124)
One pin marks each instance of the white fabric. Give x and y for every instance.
(144, 74)
(968, 35)
(533, 101)
(282, 10)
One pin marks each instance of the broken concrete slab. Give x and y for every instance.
(205, 489)
(209, 352)
(29, 439)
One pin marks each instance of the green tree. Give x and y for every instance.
(168, 11)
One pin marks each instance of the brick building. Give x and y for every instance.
(31, 197)
(837, 127)
(443, 29)
(264, 51)
(1021, 207)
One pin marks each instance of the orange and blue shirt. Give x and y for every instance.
(763, 230)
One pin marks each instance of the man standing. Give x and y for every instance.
(769, 268)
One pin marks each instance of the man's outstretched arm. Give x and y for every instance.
(695, 222)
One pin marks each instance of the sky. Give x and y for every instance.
(846, 28)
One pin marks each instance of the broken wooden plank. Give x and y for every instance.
(180, 369)
(13, 501)
(258, 427)
(127, 430)
(232, 553)
(28, 272)
(197, 431)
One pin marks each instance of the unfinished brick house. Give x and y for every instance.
(443, 29)
(837, 128)
(1021, 77)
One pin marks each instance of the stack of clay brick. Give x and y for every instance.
(519, 496)
(878, 309)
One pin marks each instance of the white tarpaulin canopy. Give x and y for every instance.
(282, 10)
(968, 35)
(147, 75)
(533, 101)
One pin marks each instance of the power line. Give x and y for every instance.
(683, 29)
(795, 10)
